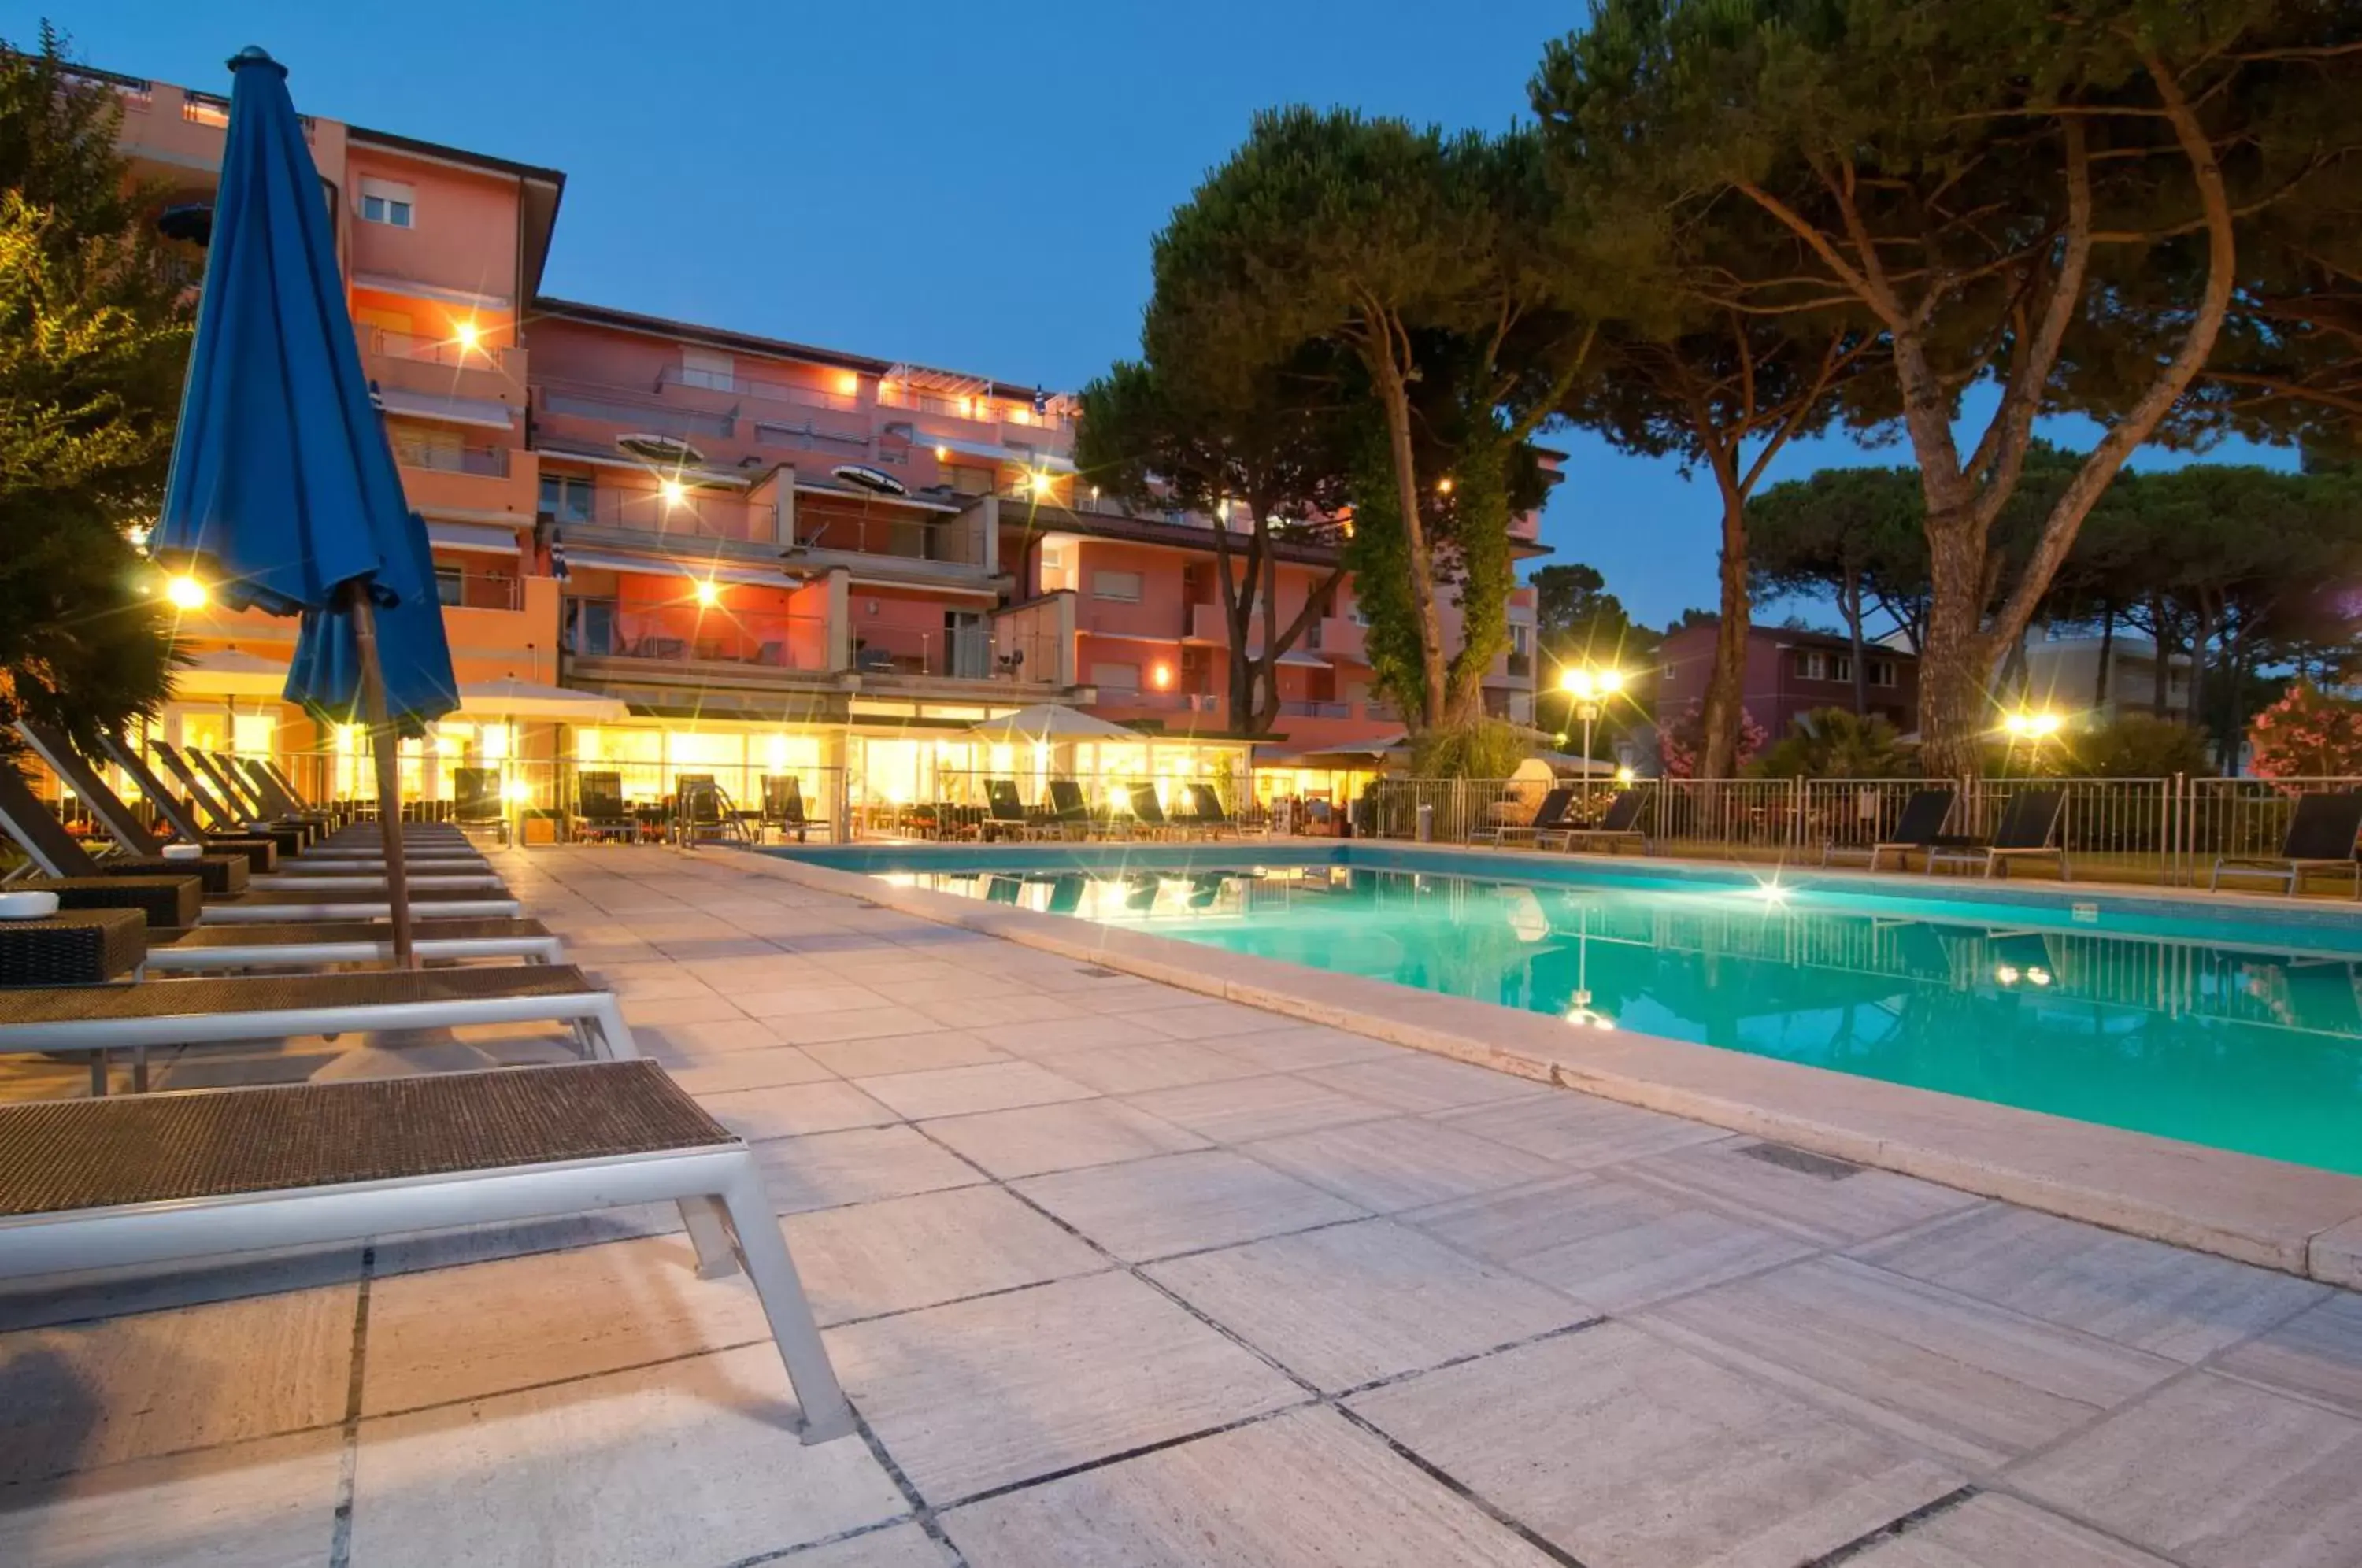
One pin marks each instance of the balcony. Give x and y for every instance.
(1294, 708)
(671, 634)
(414, 451)
(564, 403)
(694, 515)
(462, 586)
(440, 473)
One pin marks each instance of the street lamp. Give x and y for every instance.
(2033, 728)
(1588, 689)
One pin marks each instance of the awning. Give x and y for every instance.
(227, 672)
(1048, 722)
(703, 571)
(1358, 751)
(1048, 462)
(509, 698)
(488, 412)
(690, 477)
(478, 536)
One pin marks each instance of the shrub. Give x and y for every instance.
(2137, 746)
(1489, 748)
(1681, 742)
(1831, 743)
(2307, 733)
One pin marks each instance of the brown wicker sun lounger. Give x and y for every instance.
(98, 1184)
(211, 1010)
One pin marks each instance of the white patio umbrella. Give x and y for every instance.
(1047, 723)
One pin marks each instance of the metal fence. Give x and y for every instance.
(2165, 831)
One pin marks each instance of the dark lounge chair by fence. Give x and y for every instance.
(1548, 816)
(783, 807)
(2029, 827)
(2321, 837)
(1004, 812)
(598, 809)
(1619, 825)
(1214, 818)
(1070, 813)
(1918, 826)
(120, 1184)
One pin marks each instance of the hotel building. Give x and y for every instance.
(666, 549)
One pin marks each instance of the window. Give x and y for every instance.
(1122, 586)
(567, 497)
(1881, 672)
(1116, 677)
(1521, 637)
(383, 201)
(703, 368)
(450, 585)
(1811, 665)
(1058, 568)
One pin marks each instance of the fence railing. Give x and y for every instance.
(2165, 831)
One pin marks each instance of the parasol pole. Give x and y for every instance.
(389, 772)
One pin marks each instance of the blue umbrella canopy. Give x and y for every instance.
(283, 489)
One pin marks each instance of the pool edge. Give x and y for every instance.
(2295, 1219)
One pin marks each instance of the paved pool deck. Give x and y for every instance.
(1117, 1272)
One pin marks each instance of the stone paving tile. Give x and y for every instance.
(1826, 1201)
(1205, 1017)
(854, 1023)
(969, 1013)
(708, 1008)
(1972, 1381)
(768, 999)
(860, 1164)
(543, 1318)
(1993, 1529)
(903, 1252)
(1296, 1491)
(692, 1044)
(1154, 1207)
(1628, 1452)
(93, 1393)
(693, 1463)
(1135, 1069)
(1416, 1081)
(36, 1303)
(1039, 1037)
(795, 1109)
(1034, 1139)
(509, 1239)
(897, 1546)
(1241, 1110)
(774, 1067)
(2135, 1292)
(2317, 1353)
(984, 1394)
(2216, 1474)
(1580, 1129)
(905, 1054)
(960, 1091)
(1293, 1047)
(1350, 1304)
(1402, 1164)
(1605, 1243)
(268, 1504)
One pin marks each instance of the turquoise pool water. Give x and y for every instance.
(2229, 1031)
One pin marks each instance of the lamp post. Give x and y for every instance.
(2033, 728)
(1589, 688)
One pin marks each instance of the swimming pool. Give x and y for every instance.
(2240, 1028)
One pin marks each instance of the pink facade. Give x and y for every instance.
(1790, 673)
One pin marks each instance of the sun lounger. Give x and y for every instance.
(783, 808)
(1620, 824)
(1917, 826)
(1212, 818)
(2321, 837)
(1148, 814)
(223, 812)
(58, 852)
(211, 1010)
(1004, 814)
(2029, 827)
(124, 1183)
(598, 809)
(1070, 813)
(213, 948)
(121, 823)
(1549, 817)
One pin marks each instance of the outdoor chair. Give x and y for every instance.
(600, 811)
(1620, 823)
(1207, 803)
(204, 794)
(309, 872)
(1919, 825)
(122, 823)
(1004, 811)
(1549, 817)
(2029, 827)
(1070, 813)
(2321, 837)
(783, 807)
(191, 1177)
(476, 798)
(1148, 813)
(213, 1010)
(45, 841)
(208, 949)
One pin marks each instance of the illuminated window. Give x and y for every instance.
(385, 201)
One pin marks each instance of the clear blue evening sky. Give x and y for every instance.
(969, 186)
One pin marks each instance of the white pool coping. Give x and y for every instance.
(2288, 1217)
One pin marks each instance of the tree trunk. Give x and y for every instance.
(2107, 658)
(1959, 662)
(1237, 626)
(2200, 634)
(2233, 699)
(1850, 605)
(1267, 662)
(1396, 395)
(2160, 674)
(1726, 688)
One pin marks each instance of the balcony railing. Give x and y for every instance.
(965, 654)
(636, 412)
(697, 513)
(463, 588)
(673, 633)
(1295, 709)
(435, 351)
(811, 435)
(768, 392)
(450, 458)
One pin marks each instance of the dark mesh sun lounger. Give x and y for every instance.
(116, 1183)
(2029, 827)
(2321, 836)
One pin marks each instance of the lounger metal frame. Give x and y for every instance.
(168, 958)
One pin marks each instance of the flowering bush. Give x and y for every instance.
(1681, 742)
(2307, 734)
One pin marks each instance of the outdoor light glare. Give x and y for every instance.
(943, 454)
(467, 334)
(1577, 683)
(2037, 975)
(1611, 680)
(708, 594)
(1040, 481)
(518, 793)
(2033, 726)
(185, 593)
(1624, 776)
(1162, 674)
(1443, 485)
(2007, 974)
(672, 491)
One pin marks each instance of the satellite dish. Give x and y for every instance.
(659, 448)
(876, 481)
